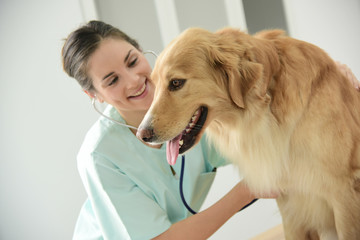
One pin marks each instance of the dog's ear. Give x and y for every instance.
(246, 63)
(235, 87)
(239, 72)
(242, 79)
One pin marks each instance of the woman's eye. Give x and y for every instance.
(113, 81)
(176, 84)
(132, 63)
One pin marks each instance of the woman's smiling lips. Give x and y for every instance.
(141, 91)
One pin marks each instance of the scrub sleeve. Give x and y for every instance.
(132, 193)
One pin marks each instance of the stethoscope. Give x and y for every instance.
(181, 180)
(109, 118)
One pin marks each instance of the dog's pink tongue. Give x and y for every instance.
(172, 150)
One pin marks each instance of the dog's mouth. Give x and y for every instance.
(187, 138)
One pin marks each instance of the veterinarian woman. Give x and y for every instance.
(132, 191)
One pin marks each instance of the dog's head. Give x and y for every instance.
(198, 77)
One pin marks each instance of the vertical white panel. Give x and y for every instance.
(235, 14)
(207, 14)
(168, 21)
(88, 10)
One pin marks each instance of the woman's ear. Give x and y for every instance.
(93, 95)
(90, 94)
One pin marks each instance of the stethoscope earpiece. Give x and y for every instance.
(151, 52)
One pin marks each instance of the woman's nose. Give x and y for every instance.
(133, 77)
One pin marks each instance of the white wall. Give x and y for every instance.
(44, 115)
(333, 25)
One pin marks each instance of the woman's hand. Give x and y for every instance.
(346, 71)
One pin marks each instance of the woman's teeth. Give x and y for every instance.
(140, 91)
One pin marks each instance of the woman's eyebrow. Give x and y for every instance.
(127, 56)
(107, 75)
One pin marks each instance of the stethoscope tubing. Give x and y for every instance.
(182, 193)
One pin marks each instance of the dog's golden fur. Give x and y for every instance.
(278, 108)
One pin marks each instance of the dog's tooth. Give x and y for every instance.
(192, 125)
(193, 118)
(187, 130)
(181, 142)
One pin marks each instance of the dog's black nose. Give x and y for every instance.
(145, 134)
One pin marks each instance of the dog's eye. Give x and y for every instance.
(176, 84)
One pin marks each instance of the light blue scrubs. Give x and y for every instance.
(132, 192)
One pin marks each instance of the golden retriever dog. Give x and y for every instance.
(276, 107)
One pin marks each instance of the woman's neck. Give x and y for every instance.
(132, 118)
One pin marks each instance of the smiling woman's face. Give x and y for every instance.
(121, 76)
